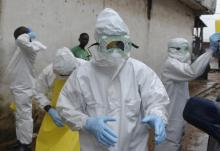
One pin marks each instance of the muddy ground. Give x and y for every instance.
(194, 139)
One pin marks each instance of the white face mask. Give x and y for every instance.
(116, 54)
(186, 58)
(113, 50)
(181, 53)
(116, 57)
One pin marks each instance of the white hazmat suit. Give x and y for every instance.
(176, 73)
(20, 70)
(63, 64)
(126, 92)
(53, 135)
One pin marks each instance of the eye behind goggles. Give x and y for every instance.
(115, 44)
(177, 48)
(180, 48)
(109, 43)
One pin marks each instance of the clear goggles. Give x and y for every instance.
(184, 48)
(108, 44)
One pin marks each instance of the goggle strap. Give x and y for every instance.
(95, 44)
(134, 45)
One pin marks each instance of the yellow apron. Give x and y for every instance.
(12, 106)
(51, 137)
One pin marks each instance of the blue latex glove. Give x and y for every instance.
(98, 127)
(30, 29)
(214, 40)
(56, 118)
(32, 35)
(157, 123)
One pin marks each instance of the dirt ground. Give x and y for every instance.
(194, 139)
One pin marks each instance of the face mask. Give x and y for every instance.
(184, 49)
(186, 58)
(181, 53)
(116, 53)
(112, 50)
(115, 47)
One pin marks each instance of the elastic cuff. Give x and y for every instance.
(47, 107)
(163, 116)
(84, 119)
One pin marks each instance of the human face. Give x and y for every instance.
(84, 39)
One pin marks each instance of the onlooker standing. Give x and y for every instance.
(80, 51)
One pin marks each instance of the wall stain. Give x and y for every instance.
(103, 3)
(0, 9)
(1, 38)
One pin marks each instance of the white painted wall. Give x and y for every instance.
(59, 22)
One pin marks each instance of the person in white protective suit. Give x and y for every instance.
(53, 135)
(177, 71)
(113, 98)
(62, 67)
(20, 70)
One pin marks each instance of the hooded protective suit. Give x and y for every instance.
(63, 64)
(125, 90)
(51, 137)
(176, 73)
(21, 74)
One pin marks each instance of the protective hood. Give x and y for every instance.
(109, 25)
(64, 62)
(178, 48)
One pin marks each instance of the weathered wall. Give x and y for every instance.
(1, 56)
(59, 22)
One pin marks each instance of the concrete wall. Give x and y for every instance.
(59, 22)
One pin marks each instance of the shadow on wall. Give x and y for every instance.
(0, 8)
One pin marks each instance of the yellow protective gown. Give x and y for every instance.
(51, 137)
